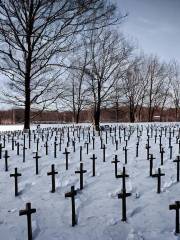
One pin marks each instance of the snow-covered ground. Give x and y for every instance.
(98, 208)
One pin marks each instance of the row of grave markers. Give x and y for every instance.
(123, 195)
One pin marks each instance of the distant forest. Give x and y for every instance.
(16, 116)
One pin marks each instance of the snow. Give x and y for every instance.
(98, 208)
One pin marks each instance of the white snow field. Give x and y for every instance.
(98, 209)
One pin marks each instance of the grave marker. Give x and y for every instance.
(93, 164)
(158, 175)
(37, 162)
(176, 207)
(115, 161)
(6, 156)
(72, 195)
(53, 174)
(16, 175)
(28, 211)
(177, 160)
(66, 154)
(123, 195)
(81, 172)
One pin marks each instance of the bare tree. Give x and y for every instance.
(134, 85)
(76, 88)
(174, 76)
(156, 74)
(108, 52)
(33, 35)
(116, 96)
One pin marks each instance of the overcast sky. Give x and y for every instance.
(155, 24)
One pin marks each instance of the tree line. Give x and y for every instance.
(70, 54)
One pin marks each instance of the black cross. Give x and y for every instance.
(66, 153)
(74, 145)
(17, 144)
(116, 144)
(60, 142)
(101, 142)
(24, 153)
(28, 211)
(155, 138)
(53, 174)
(24, 140)
(176, 207)
(104, 152)
(93, 165)
(80, 153)
(177, 160)
(16, 175)
(137, 149)
(151, 158)
(72, 195)
(123, 176)
(158, 175)
(12, 143)
(179, 145)
(125, 152)
(93, 139)
(6, 156)
(147, 148)
(162, 155)
(112, 137)
(55, 149)
(37, 145)
(123, 195)
(1, 147)
(34, 138)
(115, 161)
(124, 133)
(81, 172)
(87, 147)
(160, 146)
(37, 163)
(4, 141)
(160, 140)
(170, 141)
(170, 147)
(46, 146)
(89, 137)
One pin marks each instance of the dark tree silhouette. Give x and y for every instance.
(33, 35)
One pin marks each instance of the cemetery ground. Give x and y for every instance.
(123, 184)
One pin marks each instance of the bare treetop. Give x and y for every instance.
(36, 33)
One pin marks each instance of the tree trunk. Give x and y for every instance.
(27, 110)
(77, 116)
(27, 104)
(117, 112)
(177, 113)
(28, 56)
(131, 113)
(132, 118)
(97, 118)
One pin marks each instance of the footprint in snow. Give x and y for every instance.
(135, 236)
(136, 211)
(113, 221)
(169, 184)
(12, 210)
(25, 187)
(69, 182)
(114, 194)
(35, 229)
